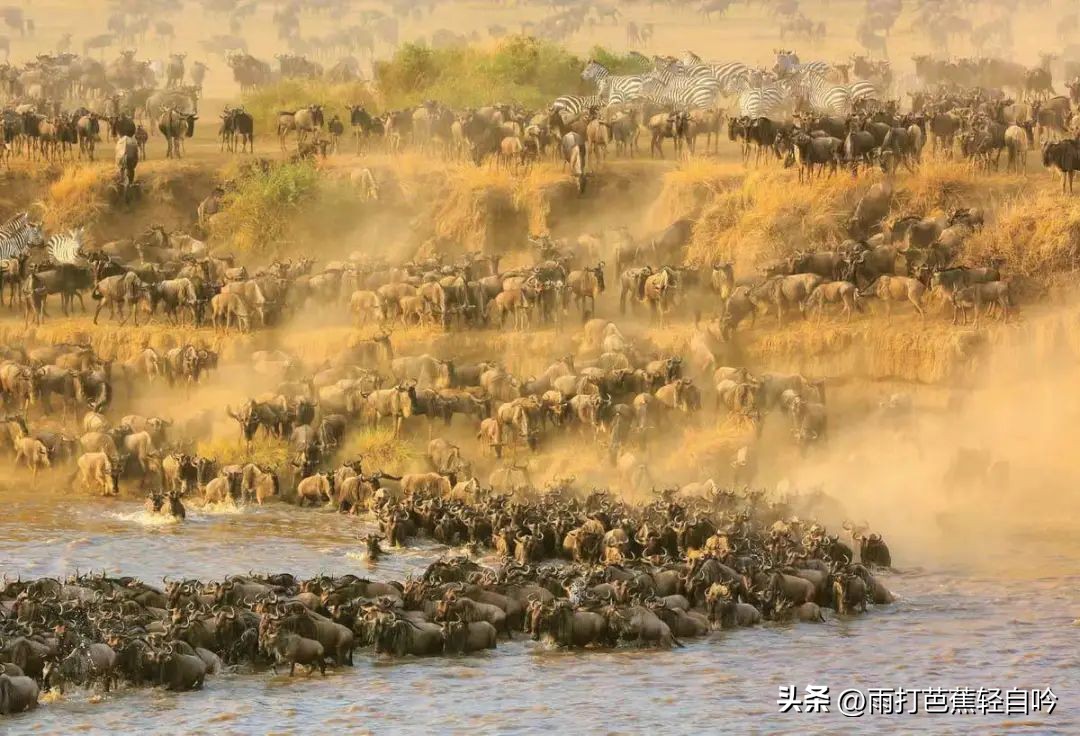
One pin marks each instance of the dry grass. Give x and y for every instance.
(756, 214)
(121, 342)
(1037, 235)
(380, 449)
(537, 192)
(232, 450)
(766, 215)
(76, 198)
(687, 189)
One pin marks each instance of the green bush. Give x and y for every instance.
(519, 69)
(261, 204)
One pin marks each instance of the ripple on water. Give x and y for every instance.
(145, 518)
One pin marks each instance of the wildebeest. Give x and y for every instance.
(1017, 142)
(575, 154)
(896, 289)
(304, 122)
(843, 293)
(176, 126)
(808, 152)
(398, 402)
(121, 293)
(992, 293)
(237, 123)
(1063, 157)
(786, 291)
(96, 470)
(859, 146)
(88, 128)
(18, 693)
(585, 285)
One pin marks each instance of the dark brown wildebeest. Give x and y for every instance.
(176, 126)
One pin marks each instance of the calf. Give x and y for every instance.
(318, 488)
(95, 469)
(844, 293)
(33, 453)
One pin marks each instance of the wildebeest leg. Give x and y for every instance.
(98, 310)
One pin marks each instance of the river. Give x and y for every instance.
(1003, 624)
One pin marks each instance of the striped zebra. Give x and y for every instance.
(733, 76)
(65, 247)
(21, 242)
(821, 95)
(614, 89)
(682, 93)
(821, 68)
(574, 105)
(767, 101)
(828, 98)
(14, 225)
(863, 90)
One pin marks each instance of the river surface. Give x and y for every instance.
(950, 628)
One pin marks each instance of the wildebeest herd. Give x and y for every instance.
(562, 560)
(652, 576)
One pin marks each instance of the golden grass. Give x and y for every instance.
(688, 188)
(766, 214)
(1037, 235)
(76, 198)
(536, 192)
(233, 450)
(380, 449)
(118, 342)
(755, 214)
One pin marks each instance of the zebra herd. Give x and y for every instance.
(19, 235)
(689, 83)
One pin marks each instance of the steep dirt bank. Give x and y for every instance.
(428, 207)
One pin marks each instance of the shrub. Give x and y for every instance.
(519, 69)
(262, 204)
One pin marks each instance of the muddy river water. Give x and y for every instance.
(1002, 625)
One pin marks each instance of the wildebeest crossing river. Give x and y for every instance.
(1004, 625)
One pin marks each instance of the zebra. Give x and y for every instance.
(14, 225)
(21, 242)
(574, 105)
(763, 102)
(826, 97)
(732, 76)
(682, 93)
(820, 94)
(65, 247)
(614, 89)
(862, 90)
